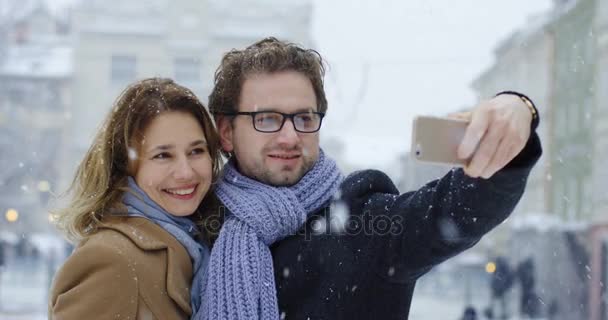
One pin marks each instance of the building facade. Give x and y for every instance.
(570, 86)
(122, 42)
(524, 64)
(35, 82)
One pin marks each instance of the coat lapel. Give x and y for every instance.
(149, 236)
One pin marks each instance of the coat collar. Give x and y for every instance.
(149, 236)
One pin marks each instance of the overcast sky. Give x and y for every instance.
(421, 55)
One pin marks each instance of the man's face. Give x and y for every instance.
(279, 158)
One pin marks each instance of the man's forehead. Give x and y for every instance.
(288, 92)
(277, 108)
(277, 80)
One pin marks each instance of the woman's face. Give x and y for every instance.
(174, 166)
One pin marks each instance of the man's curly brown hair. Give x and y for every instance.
(268, 55)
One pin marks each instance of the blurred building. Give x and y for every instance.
(561, 61)
(60, 75)
(598, 233)
(573, 103)
(229, 28)
(556, 61)
(35, 80)
(118, 42)
(599, 117)
(524, 64)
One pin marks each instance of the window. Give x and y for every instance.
(16, 96)
(571, 197)
(586, 198)
(123, 69)
(601, 88)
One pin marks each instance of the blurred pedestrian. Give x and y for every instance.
(2, 257)
(469, 313)
(2, 263)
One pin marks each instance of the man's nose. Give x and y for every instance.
(288, 134)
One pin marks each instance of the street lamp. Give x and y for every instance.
(44, 186)
(490, 267)
(11, 215)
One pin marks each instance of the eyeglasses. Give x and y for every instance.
(272, 121)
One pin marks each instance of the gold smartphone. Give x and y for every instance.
(436, 140)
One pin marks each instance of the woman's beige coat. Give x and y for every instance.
(130, 269)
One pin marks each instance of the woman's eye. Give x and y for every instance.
(197, 151)
(163, 155)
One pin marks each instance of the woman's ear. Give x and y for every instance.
(133, 158)
(224, 128)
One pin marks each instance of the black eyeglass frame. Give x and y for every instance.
(285, 117)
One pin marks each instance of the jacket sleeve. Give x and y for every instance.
(441, 219)
(96, 282)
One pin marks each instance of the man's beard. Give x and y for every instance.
(285, 178)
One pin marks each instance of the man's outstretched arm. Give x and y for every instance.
(451, 214)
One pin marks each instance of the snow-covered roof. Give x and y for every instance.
(260, 8)
(21, 11)
(114, 7)
(121, 25)
(37, 61)
(144, 18)
(256, 19)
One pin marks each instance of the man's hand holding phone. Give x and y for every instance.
(496, 132)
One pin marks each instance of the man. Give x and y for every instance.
(269, 102)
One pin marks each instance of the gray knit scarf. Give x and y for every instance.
(240, 283)
(182, 228)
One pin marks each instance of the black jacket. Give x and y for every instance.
(371, 274)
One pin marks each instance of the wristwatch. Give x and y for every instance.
(528, 102)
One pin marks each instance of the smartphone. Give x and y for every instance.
(436, 140)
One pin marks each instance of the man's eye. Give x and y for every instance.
(305, 118)
(267, 118)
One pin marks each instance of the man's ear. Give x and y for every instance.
(224, 128)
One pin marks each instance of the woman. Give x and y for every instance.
(136, 197)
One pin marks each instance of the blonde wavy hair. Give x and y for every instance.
(101, 177)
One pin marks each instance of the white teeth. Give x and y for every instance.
(181, 192)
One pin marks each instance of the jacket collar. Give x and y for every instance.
(149, 236)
